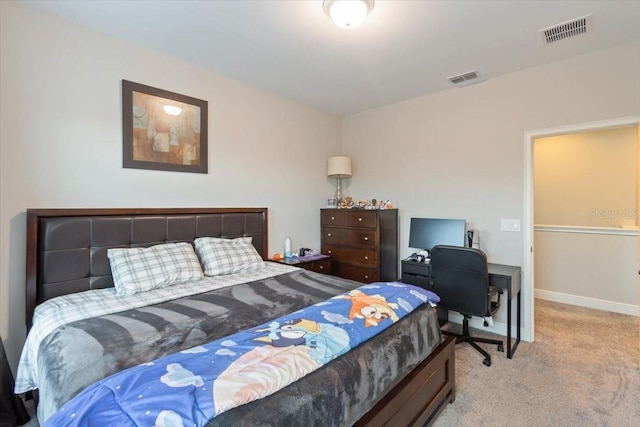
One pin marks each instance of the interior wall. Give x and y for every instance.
(61, 142)
(587, 178)
(460, 153)
(588, 269)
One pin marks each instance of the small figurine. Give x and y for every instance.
(347, 202)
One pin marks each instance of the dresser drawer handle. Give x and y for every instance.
(359, 219)
(333, 218)
(366, 238)
(366, 277)
(328, 252)
(328, 234)
(322, 267)
(366, 257)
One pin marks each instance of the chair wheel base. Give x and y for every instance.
(473, 341)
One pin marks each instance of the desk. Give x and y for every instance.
(507, 277)
(501, 276)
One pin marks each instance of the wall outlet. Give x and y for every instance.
(509, 225)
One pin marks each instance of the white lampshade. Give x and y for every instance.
(347, 14)
(339, 166)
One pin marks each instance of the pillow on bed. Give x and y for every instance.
(237, 240)
(227, 256)
(138, 270)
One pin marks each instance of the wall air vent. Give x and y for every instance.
(568, 29)
(466, 79)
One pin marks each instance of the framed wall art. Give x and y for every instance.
(163, 130)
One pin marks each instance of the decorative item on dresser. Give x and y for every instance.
(363, 244)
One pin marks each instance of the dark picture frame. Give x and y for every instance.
(163, 130)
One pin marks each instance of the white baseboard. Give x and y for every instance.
(598, 304)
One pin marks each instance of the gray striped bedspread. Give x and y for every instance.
(75, 355)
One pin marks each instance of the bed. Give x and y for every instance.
(402, 376)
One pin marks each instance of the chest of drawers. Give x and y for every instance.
(363, 244)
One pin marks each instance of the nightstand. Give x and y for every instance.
(12, 409)
(318, 263)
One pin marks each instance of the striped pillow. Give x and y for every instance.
(138, 270)
(227, 256)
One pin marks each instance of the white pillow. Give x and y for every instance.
(237, 240)
(227, 256)
(137, 270)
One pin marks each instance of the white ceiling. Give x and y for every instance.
(404, 49)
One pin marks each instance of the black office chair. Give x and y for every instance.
(461, 280)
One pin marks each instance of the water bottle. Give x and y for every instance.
(287, 248)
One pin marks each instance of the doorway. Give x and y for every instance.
(528, 219)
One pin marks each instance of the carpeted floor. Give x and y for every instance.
(582, 370)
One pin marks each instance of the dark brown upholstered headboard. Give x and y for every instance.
(67, 248)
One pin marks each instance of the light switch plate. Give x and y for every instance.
(509, 225)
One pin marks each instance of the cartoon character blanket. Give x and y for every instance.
(193, 386)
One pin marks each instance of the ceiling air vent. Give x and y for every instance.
(568, 29)
(466, 79)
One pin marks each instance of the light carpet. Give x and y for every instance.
(582, 370)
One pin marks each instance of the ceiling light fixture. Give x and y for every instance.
(347, 14)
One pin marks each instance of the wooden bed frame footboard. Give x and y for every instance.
(420, 396)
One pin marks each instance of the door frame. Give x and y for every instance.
(528, 285)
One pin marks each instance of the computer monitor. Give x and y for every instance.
(425, 233)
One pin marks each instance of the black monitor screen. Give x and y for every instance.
(425, 233)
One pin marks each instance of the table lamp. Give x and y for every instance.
(339, 167)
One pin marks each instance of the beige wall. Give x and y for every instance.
(578, 266)
(587, 179)
(61, 142)
(460, 153)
